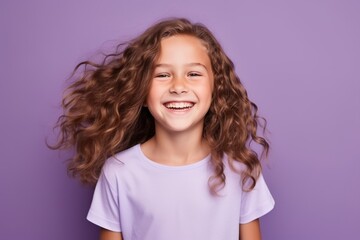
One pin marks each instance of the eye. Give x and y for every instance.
(194, 74)
(162, 75)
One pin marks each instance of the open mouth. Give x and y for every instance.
(179, 105)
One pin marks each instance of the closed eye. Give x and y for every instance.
(162, 75)
(194, 74)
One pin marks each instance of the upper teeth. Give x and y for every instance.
(179, 105)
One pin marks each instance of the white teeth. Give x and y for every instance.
(179, 105)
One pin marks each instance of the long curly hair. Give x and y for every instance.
(104, 113)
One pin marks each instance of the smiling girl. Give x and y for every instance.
(164, 129)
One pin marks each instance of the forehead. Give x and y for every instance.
(182, 47)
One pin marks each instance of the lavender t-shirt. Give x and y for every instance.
(148, 201)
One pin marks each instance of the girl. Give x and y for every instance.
(164, 127)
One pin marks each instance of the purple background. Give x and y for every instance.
(299, 60)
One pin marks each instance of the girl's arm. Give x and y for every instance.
(250, 231)
(109, 235)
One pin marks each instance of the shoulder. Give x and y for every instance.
(121, 163)
(235, 170)
(233, 166)
(123, 156)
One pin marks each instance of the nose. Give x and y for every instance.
(178, 85)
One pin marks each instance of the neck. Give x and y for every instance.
(171, 148)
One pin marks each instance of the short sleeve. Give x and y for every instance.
(104, 209)
(256, 202)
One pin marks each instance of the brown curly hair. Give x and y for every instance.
(104, 113)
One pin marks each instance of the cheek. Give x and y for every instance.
(210, 94)
(209, 89)
(153, 95)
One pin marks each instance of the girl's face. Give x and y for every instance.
(182, 85)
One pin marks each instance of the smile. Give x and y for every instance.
(179, 105)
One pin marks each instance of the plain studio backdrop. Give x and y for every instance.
(299, 60)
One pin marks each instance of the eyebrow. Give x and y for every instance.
(188, 65)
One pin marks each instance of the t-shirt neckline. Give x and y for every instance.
(152, 163)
